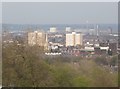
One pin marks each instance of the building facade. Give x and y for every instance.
(74, 39)
(53, 29)
(37, 38)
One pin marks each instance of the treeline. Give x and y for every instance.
(24, 66)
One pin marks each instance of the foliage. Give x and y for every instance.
(24, 66)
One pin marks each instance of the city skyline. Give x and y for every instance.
(59, 44)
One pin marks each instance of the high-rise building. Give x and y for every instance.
(74, 39)
(37, 38)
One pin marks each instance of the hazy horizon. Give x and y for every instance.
(60, 13)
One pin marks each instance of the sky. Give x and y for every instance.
(60, 0)
(59, 12)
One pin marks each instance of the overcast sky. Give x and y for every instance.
(59, 12)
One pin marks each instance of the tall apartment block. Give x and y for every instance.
(37, 38)
(74, 39)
